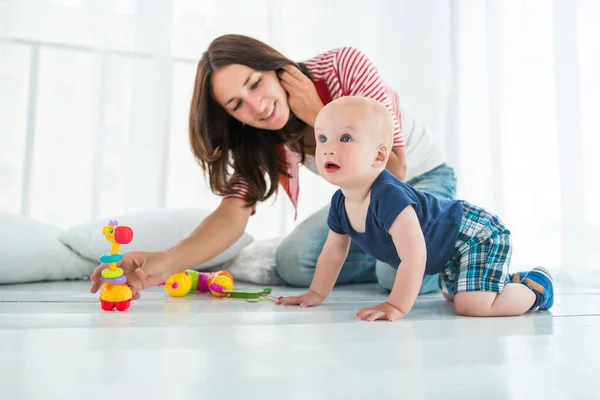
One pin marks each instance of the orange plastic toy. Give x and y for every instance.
(114, 292)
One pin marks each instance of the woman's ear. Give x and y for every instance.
(382, 156)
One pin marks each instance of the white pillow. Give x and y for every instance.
(30, 251)
(152, 231)
(256, 263)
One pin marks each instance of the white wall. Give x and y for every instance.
(95, 95)
(94, 99)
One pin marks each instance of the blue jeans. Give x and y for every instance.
(297, 255)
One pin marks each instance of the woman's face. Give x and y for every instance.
(255, 98)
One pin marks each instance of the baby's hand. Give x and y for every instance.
(381, 311)
(308, 299)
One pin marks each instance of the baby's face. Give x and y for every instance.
(346, 151)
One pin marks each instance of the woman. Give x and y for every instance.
(253, 111)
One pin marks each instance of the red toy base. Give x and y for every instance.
(120, 306)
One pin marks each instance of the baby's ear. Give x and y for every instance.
(383, 154)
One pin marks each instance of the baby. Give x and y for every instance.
(415, 232)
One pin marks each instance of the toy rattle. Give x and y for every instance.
(180, 284)
(219, 284)
(114, 292)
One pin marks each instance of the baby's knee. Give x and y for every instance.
(463, 305)
(474, 304)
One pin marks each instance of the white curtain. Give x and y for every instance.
(525, 123)
(95, 94)
(94, 98)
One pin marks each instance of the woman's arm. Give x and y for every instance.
(217, 232)
(397, 163)
(359, 77)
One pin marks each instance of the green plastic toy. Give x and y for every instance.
(241, 293)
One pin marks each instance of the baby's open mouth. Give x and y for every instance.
(331, 167)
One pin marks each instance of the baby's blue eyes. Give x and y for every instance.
(344, 139)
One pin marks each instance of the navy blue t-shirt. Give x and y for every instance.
(439, 218)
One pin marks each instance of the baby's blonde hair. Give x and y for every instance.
(377, 115)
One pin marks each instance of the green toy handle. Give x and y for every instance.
(247, 293)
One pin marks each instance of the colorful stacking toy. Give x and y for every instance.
(115, 293)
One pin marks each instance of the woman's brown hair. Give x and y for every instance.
(220, 142)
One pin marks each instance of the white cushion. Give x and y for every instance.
(155, 230)
(256, 263)
(30, 251)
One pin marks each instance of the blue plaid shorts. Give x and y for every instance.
(481, 258)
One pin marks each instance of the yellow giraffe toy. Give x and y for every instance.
(115, 293)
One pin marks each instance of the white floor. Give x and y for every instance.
(56, 343)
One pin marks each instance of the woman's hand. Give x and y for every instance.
(142, 269)
(303, 98)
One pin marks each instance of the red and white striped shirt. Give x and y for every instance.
(344, 71)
